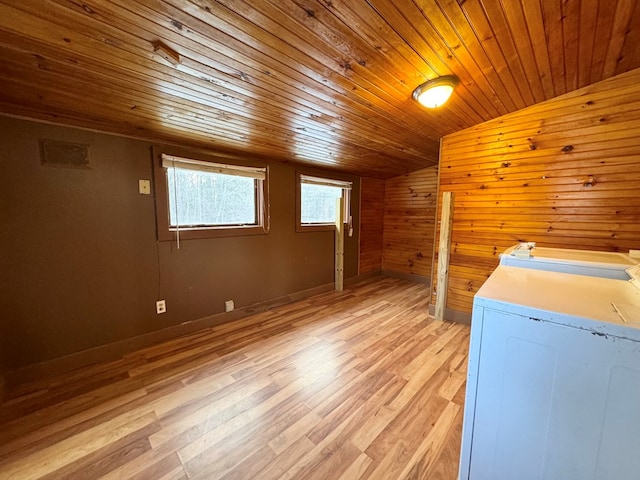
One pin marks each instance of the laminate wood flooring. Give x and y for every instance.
(359, 384)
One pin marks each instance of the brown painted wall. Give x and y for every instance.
(563, 173)
(81, 266)
(371, 225)
(409, 215)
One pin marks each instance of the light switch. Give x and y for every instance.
(144, 187)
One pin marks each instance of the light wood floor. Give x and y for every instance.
(353, 385)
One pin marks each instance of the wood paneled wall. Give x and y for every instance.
(563, 173)
(409, 214)
(371, 224)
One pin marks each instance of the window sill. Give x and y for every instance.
(315, 227)
(217, 232)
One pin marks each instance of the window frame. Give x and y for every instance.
(329, 179)
(166, 233)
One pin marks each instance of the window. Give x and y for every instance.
(199, 199)
(317, 201)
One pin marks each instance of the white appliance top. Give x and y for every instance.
(598, 304)
(563, 255)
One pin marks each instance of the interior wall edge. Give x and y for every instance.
(370, 247)
(436, 227)
(407, 276)
(562, 173)
(452, 315)
(113, 351)
(361, 278)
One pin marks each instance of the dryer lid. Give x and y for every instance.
(634, 275)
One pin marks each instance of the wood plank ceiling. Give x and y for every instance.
(321, 82)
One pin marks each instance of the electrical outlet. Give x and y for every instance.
(161, 307)
(229, 306)
(144, 187)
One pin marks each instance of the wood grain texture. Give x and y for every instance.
(444, 251)
(409, 220)
(371, 224)
(563, 173)
(339, 245)
(314, 82)
(359, 384)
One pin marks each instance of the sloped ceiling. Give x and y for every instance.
(325, 83)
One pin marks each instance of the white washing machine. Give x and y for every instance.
(553, 387)
(580, 262)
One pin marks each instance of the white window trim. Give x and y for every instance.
(167, 232)
(257, 173)
(345, 185)
(327, 182)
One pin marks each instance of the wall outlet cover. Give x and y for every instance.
(229, 306)
(144, 187)
(161, 307)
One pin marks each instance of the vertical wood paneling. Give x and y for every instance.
(604, 28)
(621, 22)
(409, 216)
(632, 37)
(534, 20)
(589, 14)
(563, 173)
(371, 224)
(552, 18)
(571, 35)
(520, 31)
(483, 29)
(444, 242)
(339, 245)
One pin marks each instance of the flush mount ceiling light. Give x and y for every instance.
(435, 92)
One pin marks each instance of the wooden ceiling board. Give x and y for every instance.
(461, 62)
(315, 82)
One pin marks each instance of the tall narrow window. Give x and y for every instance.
(318, 200)
(205, 199)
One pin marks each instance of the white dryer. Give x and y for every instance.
(553, 387)
(580, 262)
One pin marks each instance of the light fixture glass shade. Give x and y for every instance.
(436, 92)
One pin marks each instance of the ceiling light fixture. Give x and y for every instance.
(435, 92)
